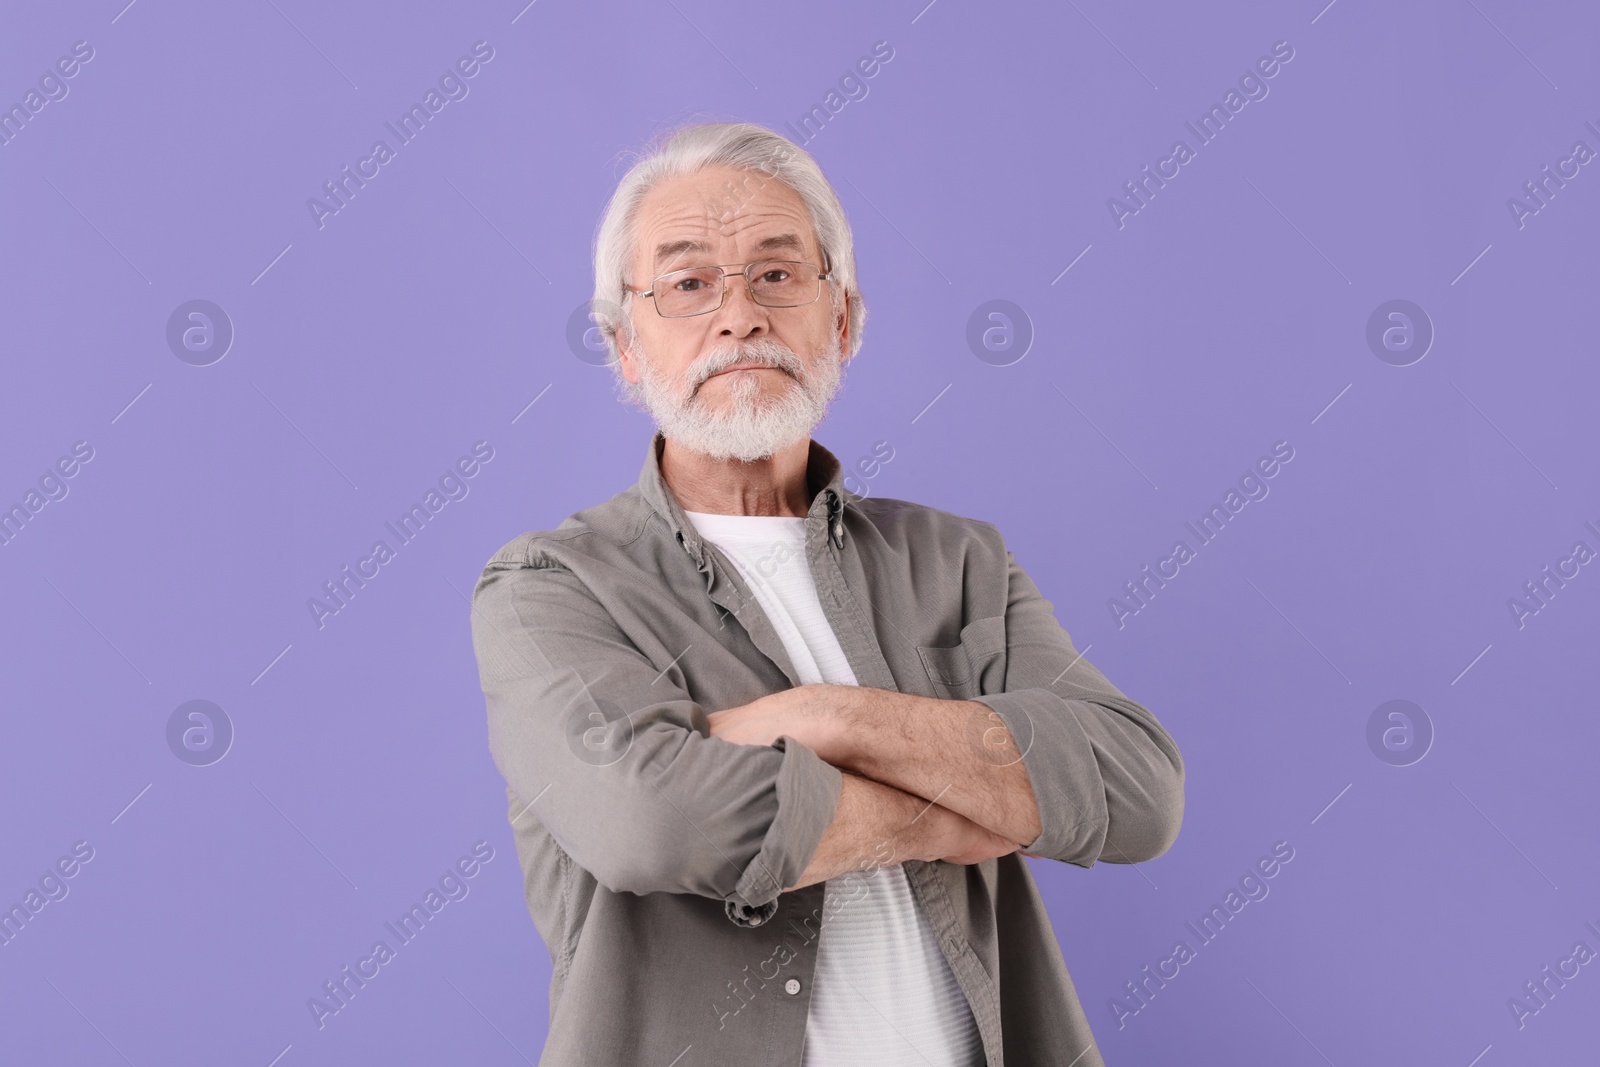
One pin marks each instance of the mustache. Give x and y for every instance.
(764, 353)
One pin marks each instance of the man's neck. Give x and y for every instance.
(776, 485)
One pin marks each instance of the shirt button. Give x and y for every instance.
(792, 986)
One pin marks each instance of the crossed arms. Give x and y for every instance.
(800, 785)
(923, 778)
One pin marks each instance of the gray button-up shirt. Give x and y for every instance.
(654, 856)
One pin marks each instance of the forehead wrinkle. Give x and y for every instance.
(693, 208)
(683, 223)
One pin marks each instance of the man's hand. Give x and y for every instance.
(815, 718)
(956, 753)
(876, 825)
(965, 841)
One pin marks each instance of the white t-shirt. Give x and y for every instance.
(883, 994)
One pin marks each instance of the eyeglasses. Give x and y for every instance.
(773, 283)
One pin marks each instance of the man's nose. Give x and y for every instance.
(746, 307)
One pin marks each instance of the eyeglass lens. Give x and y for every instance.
(773, 283)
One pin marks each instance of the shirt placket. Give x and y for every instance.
(858, 638)
(825, 542)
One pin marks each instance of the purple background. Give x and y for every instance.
(434, 308)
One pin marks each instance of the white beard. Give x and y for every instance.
(747, 425)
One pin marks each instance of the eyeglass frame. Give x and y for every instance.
(826, 275)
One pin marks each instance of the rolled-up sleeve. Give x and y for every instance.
(618, 763)
(1107, 777)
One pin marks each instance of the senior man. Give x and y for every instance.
(772, 749)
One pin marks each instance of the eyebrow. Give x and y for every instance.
(672, 250)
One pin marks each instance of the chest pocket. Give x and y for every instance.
(975, 666)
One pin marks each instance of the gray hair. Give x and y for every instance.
(693, 148)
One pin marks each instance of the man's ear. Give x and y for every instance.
(844, 328)
(626, 357)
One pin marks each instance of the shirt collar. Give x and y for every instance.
(824, 480)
